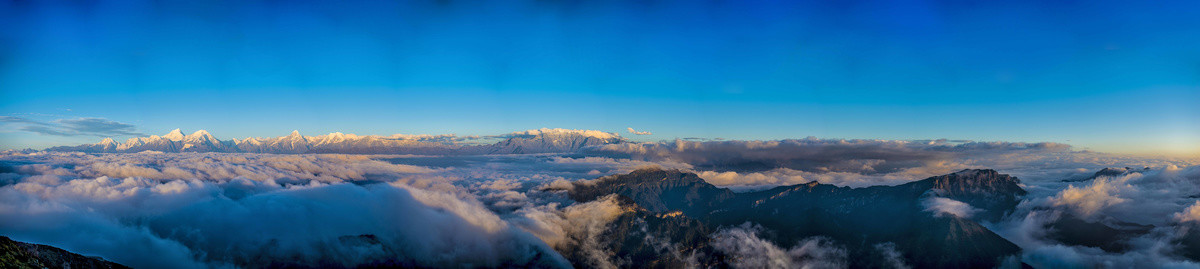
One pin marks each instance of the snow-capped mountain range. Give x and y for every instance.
(532, 141)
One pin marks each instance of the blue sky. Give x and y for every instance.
(1111, 76)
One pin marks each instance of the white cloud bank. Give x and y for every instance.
(496, 207)
(216, 210)
(1164, 199)
(1189, 214)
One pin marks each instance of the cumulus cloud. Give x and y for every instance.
(75, 127)
(214, 210)
(1160, 198)
(941, 206)
(514, 205)
(1189, 214)
(1145, 197)
(632, 131)
(1030, 231)
(1089, 200)
(1150, 251)
(748, 250)
(575, 228)
(351, 225)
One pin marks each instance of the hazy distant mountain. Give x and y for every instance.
(532, 141)
(859, 219)
(15, 254)
(1110, 172)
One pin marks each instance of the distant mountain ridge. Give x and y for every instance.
(1110, 172)
(532, 141)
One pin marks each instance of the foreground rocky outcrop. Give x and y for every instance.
(15, 254)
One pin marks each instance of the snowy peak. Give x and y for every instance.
(559, 132)
(174, 135)
(202, 137)
(199, 134)
(547, 140)
(202, 141)
(532, 141)
(107, 141)
(293, 138)
(334, 137)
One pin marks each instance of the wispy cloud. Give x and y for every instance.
(98, 126)
(46, 130)
(19, 120)
(74, 127)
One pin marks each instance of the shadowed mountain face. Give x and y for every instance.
(1111, 237)
(858, 219)
(996, 194)
(15, 254)
(658, 191)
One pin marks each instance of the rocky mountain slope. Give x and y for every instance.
(858, 219)
(15, 254)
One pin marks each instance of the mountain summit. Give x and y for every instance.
(532, 141)
(174, 135)
(997, 194)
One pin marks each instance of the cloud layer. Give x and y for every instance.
(194, 210)
(1145, 212)
(204, 210)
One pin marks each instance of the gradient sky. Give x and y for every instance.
(1110, 76)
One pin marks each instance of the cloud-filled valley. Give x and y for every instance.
(556, 198)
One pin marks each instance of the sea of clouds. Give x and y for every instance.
(196, 210)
